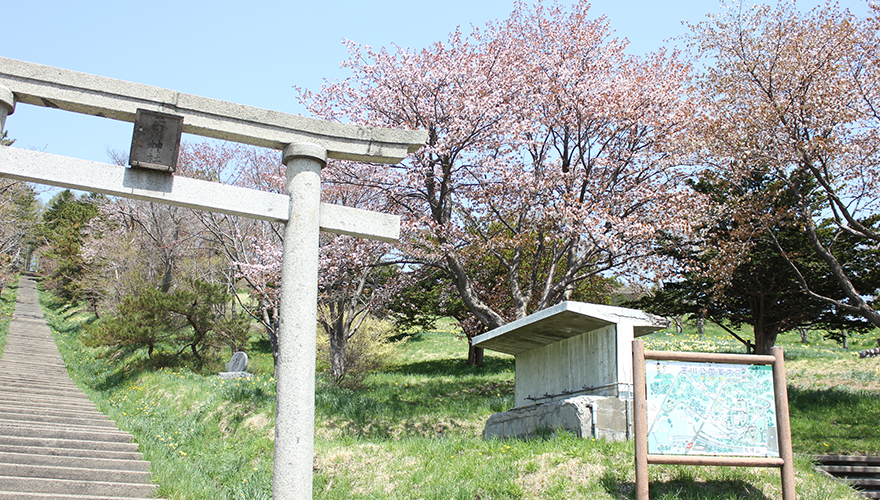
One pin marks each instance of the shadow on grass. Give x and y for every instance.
(453, 367)
(793, 353)
(686, 489)
(406, 409)
(834, 421)
(262, 346)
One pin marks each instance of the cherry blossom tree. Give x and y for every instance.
(553, 156)
(138, 245)
(795, 94)
(357, 276)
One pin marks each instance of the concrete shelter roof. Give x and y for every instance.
(563, 321)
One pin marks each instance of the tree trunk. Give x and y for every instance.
(485, 314)
(338, 342)
(167, 277)
(764, 340)
(857, 304)
(337, 356)
(475, 355)
(271, 323)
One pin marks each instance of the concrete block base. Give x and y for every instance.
(584, 416)
(235, 375)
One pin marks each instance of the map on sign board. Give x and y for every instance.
(710, 409)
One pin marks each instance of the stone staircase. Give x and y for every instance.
(860, 472)
(54, 444)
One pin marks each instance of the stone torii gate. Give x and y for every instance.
(306, 144)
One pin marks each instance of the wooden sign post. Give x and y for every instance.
(682, 381)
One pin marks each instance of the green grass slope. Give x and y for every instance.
(7, 307)
(413, 431)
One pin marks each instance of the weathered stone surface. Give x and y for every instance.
(41, 85)
(572, 348)
(7, 105)
(237, 367)
(238, 363)
(61, 171)
(583, 416)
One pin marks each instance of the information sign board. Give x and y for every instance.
(696, 408)
(711, 409)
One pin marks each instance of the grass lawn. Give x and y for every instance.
(413, 431)
(7, 307)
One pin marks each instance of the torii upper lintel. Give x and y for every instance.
(52, 87)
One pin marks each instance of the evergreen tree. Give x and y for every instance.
(62, 229)
(762, 290)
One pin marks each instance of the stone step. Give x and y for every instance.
(22, 401)
(57, 496)
(74, 473)
(49, 411)
(48, 392)
(40, 351)
(851, 470)
(41, 382)
(46, 370)
(74, 424)
(12, 484)
(55, 390)
(859, 471)
(60, 381)
(31, 353)
(18, 396)
(13, 400)
(49, 432)
(848, 459)
(54, 444)
(49, 358)
(74, 462)
(44, 342)
(57, 401)
(70, 452)
(35, 354)
(67, 443)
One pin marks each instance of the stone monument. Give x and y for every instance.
(573, 370)
(237, 367)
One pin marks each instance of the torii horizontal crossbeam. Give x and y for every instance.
(141, 184)
(111, 98)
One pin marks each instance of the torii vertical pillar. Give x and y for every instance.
(7, 106)
(295, 411)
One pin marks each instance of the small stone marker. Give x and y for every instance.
(237, 367)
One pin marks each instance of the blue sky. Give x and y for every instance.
(254, 52)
